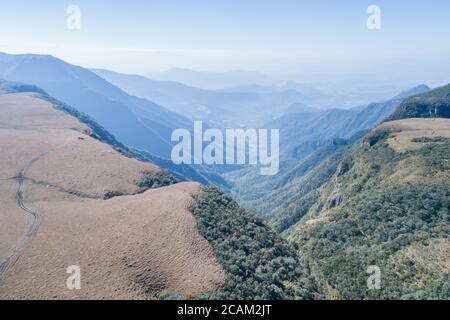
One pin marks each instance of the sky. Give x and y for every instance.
(271, 36)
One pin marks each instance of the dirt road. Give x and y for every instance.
(15, 252)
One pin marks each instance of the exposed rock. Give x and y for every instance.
(335, 199)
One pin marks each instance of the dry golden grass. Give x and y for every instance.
(13, 221)
(18, 113)
(134, 246)
(127, 247)
(98, 167)
(404, 131)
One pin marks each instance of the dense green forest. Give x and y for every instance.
(395, 215)
(387, 228)
(259, 264)
(300, 195)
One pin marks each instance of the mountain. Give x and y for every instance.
(321, 91)
(334, 123)
(105, 212)
(434, 104)
(73, 198)
(306, 139)
(304, 93)
(211, 80)
(238, 107)
(382, 204)
(328, 91)
(136, 122)
(419, 89)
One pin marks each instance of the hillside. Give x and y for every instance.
(434, 104)
(259, 264)
(386, 204)
(139, 124)
(135, 122)
(89, 205)
(73, 195)
(306, 126)
(306, 139)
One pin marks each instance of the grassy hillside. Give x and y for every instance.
(85, 202)
(97, 131)
(180, 172)
(258, 263)
(387, 204)
(135, 122)
(383, 202)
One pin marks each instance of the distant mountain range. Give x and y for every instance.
(212, 80)
(137, 122)
(306, 139)
(246, 106)
(325, 90)
(313, 125)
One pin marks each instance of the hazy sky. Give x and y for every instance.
(273, 36)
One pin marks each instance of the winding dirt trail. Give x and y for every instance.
(15, 252)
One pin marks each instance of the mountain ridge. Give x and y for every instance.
(306, 139)
(221, 108)
(136, 122)
(142, 231)
(385, 203)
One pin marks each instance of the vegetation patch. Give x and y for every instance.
(259, 264)
(370, 230)
(158, 180)
(429, 139)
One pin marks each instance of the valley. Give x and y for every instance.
(356, 189)
(386, 204)
(225, 159)
(134, 231)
